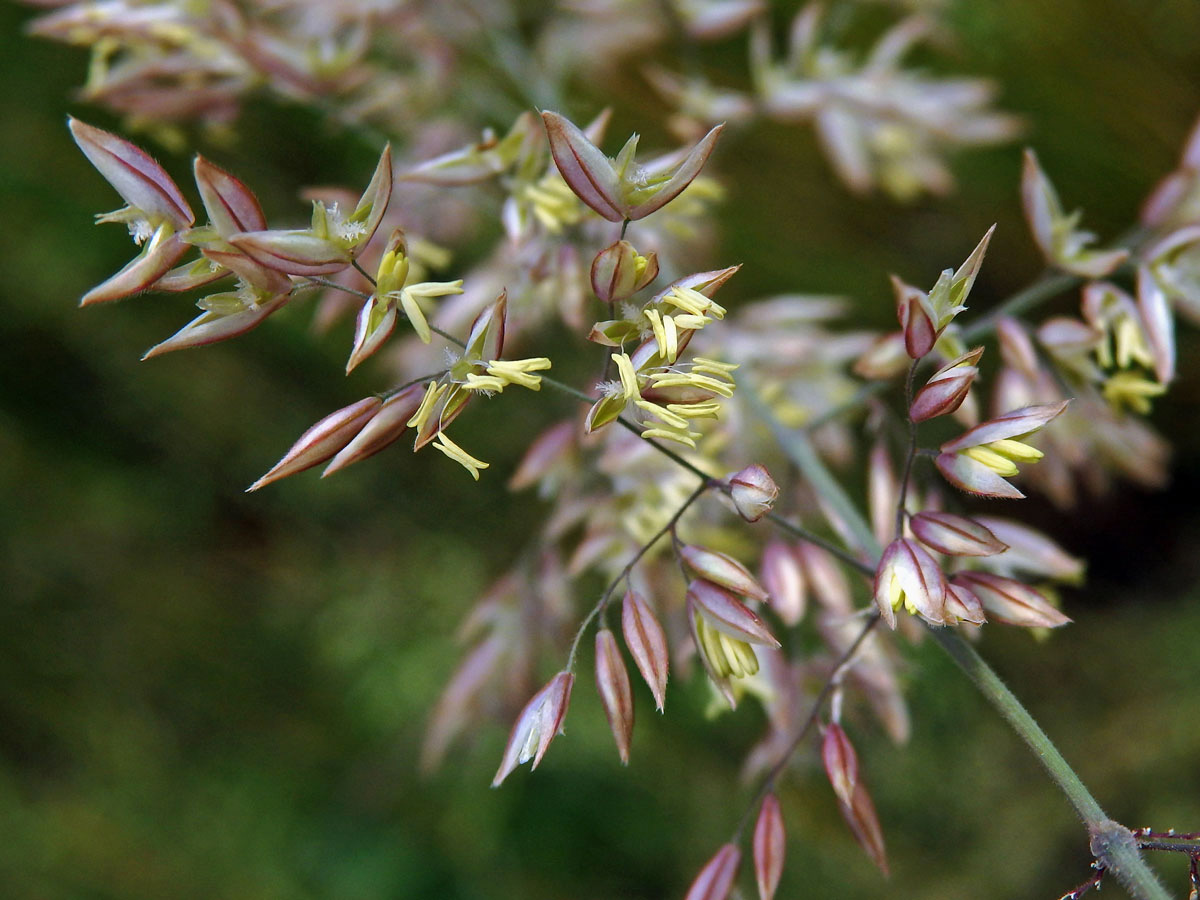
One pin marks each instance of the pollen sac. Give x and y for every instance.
(724, 629)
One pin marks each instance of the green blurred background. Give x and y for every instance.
(207, 694)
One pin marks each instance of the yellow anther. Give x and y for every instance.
(713, 366)
(707, 410)
(689, 322)
(741, 656)
(689, 379)
(687, 438)
(459, 455)
(660, 333)
(486, 383)
(710, 646)
(416, 316)
(628, 376)
(392, 271)
(659, 412)
(433, 393)
(1001, 465)
(895, 593)
(689, 301)
(1132, 391)
(517, 371)
(671, 352)
(729, 651)
(1016, 451)
(1130, 343)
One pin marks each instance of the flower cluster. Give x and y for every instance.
(662, 506)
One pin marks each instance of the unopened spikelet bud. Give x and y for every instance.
(770, 847)
(647, 642)
(619, 272)
(536, 726)
(908, 577)
(1010, 602)
(841, 762)
(753, 492)
(864, 823)
(612, 682)
(883, 492)
(947, 389)
(383, 429)
(962, 605)
(548, 453)
(1032, 552)
(885, 358)
(783, 578)
(715, 880)
(955, 535)
(916, 319)
(322, 440)
(722, 570)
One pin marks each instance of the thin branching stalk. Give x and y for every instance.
(668, 528)
(906, 476)
(1120, 856)
(840, 668)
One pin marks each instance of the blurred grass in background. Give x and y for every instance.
(205, 694)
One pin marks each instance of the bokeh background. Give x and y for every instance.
(208, 694)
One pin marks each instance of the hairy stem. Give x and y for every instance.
(1120, 856)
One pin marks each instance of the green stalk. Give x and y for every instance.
(1112, 844)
